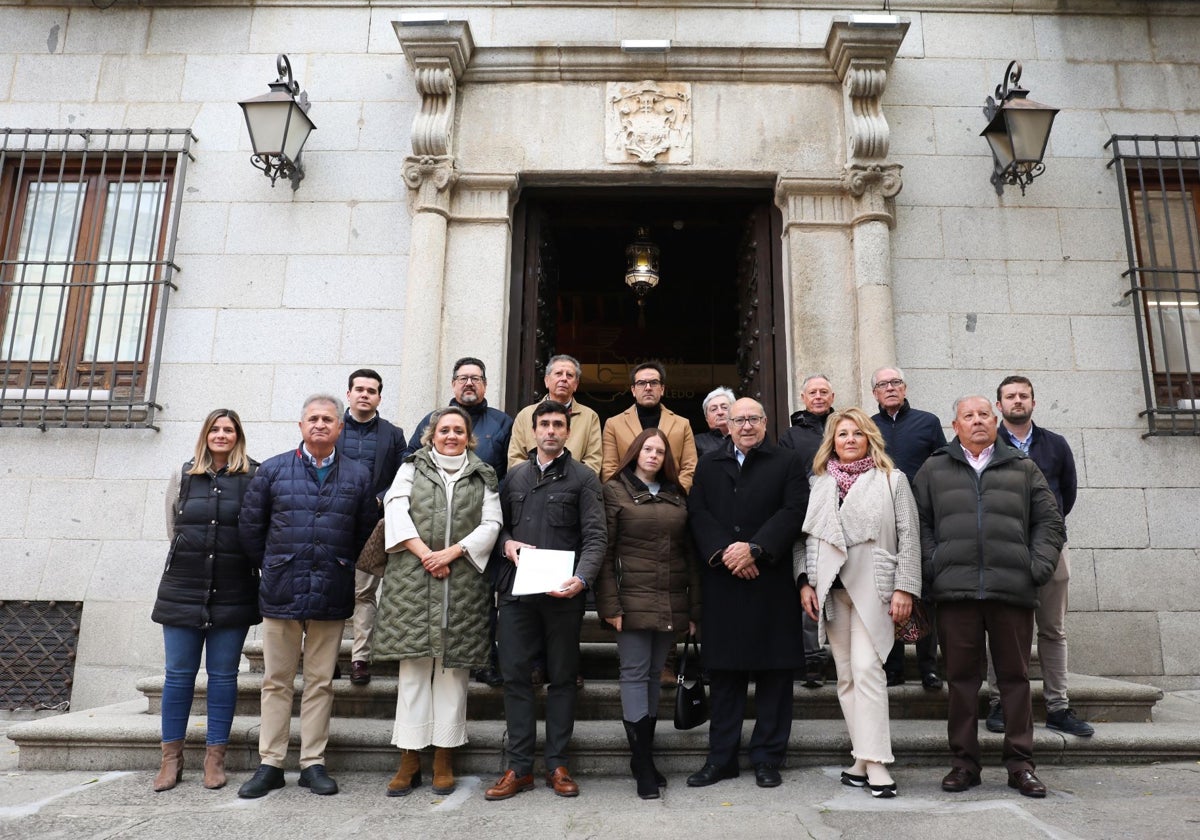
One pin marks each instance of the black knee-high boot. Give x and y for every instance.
(658, 777)
(639, 746)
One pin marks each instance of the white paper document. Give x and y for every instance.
(542, 570)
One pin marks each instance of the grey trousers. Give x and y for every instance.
(643, 654)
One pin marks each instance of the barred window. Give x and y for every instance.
(1160, 198)
(87, 232)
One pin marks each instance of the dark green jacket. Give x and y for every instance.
(990, 536)
(420, 616)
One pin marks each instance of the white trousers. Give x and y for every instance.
(861, 685)
(431, 705)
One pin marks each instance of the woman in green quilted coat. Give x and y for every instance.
(442, 516)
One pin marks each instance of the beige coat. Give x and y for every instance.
(872, 542)
(583, 442)
(621, 431)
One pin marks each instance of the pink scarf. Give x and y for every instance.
(846, 474)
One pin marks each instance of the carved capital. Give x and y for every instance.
(438, 55)
(874, 188)
(861, 50)
(811, 202)
(432, 178)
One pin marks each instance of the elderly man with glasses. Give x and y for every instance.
(911, 436)
(745, 512)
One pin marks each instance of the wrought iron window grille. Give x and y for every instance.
(1159, 180)
(38, 641)
(88, 224)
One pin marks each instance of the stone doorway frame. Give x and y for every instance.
(837, 222)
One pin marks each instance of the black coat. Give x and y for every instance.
(376, 443)
(911, 437)
(754, 624)
(991, 536)
(208, 581)
(805, 436)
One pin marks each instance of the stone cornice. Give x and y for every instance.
(1140, 8)
(680, 63)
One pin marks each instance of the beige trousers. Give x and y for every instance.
(365, 588)
(862, 684)
(283, 641)
(431, 705)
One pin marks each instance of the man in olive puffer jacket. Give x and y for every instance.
(991, 534)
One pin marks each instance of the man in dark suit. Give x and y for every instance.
(745, 511)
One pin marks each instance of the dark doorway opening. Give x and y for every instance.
(712, 321)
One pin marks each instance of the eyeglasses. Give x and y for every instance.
(753, 420)
(647, 383)
(464, 379)
(888, 383)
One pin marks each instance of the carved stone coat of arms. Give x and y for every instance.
(648, 122)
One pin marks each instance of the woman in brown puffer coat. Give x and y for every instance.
(647, 589)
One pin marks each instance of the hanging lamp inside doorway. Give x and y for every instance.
(641, 269)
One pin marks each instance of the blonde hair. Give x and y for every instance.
(239, 461)
(876, 448)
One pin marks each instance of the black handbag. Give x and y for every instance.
(691, 701)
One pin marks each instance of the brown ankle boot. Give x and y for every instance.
(214, 766)
(171, 769)
(443, 770)
(408, 776)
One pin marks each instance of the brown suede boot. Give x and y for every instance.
(443, 770)
(408, 776)
(171, 769)
(214, 766)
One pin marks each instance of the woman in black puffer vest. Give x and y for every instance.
(208, 595)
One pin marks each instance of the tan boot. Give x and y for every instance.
(171, 769)
(214, 766)
(408, 776)
(443, 770)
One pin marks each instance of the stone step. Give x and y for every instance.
(1093, 698)
(598, 655)
(125, 736)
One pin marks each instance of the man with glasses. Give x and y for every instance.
(563, 375)
(491, 426)
(745, 512)
(648, 383)
(911, 436)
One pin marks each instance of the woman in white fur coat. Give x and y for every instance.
(858, 576)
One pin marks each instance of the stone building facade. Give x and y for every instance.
(402, 247)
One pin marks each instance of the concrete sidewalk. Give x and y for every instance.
(1158, 801)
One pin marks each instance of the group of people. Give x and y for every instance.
(670, 532)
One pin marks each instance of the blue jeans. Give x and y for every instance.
(223, 653)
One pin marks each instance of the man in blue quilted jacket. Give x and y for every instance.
(305, 517)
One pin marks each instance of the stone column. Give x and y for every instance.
(861, 53)
(438, 55)
(478, 262)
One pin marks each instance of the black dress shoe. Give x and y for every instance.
(894, 679)
(265, 779)
(959, 779)
(489, 676)
(317, 780)
(851, 780)
(710, 774)
(1027, 783)
(766, 775)
(931, 681)
(887, 791)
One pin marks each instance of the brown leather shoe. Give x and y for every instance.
(408, 776)
(562, 782)
(508, 786)
(171, 769)
(214, 766)
(1027, 783)
(959, 779)
(443, 770)
(360, 672)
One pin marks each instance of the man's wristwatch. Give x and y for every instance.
(756, 551)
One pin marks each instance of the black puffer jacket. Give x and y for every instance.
(991, 536)
(208, 580)
(805, 435)
(648, 577)
(306, 535)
